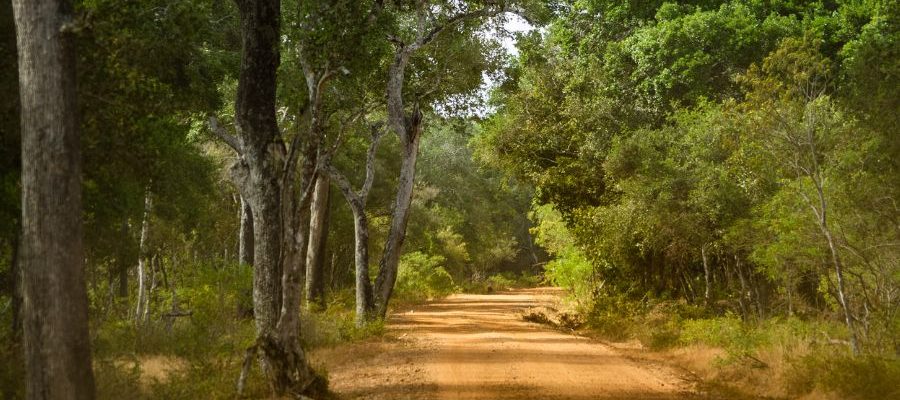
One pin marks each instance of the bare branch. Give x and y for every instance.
(229, 139)
(377, 133)
(341, 181)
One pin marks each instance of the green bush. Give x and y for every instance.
(211, 294)
(501, 282)
(335, 325)
(863, 377)
(422, 276)
(613, 315)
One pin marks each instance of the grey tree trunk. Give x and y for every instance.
(245, 237)
(57, 345)
(318, 235)
(365, 302)
(140, 312)
(838, 265)
(706, 289)
(364, 299)
(822, 217)
(744, 291)
(261, 176)
(390, 259)
(408, 129)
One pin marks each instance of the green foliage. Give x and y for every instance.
(212, 294)
(672, 131)
(449, 217)
(336, 324)
(422, 276)
(729, 332)
(868, 377)
(569, 268)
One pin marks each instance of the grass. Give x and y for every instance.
(776, 357)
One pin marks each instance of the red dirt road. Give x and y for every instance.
(477, 347)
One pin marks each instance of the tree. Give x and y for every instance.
(357, 202)
(799, 123)
(318, 237)
(57, 345)
(263, 174)
(408, 124)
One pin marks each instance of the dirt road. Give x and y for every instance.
(477, 347)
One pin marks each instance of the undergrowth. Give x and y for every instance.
(801, 356)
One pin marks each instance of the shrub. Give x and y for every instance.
(863, 377)
(501, 282)
(422, 276)
(335, 325)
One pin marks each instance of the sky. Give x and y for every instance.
(515, 23)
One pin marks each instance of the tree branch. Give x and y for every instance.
(341, 181)
(232, 141)
(377, 133)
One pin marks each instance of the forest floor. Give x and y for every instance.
(470, 346)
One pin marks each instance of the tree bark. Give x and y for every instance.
(364, 299)
(318, 235)
(365, 302)
(706, 279)
(822, 217)
(408, 129)
(745, 292)
(57, 345)
(261, 175)
(245, 237)
(387, 273)
(839, 273)
(140, 312)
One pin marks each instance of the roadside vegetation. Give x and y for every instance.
(205, 192)
(720, 176)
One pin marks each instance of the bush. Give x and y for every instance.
(864, 377)
(501, 282)
(422, 276)
(335, 325)
(612, 315)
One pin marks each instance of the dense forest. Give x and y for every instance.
(238, 184)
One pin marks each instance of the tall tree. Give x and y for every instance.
(264, 174)
(318, 236)
(57, 345)
(406, 118)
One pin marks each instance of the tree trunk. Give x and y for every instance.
(705, 274)
(261, 176)
(318, 235)
(245, 238)
(365, 302)
(744, 291)
(387, 273)
(140, 312)
(364, 298)
(57, 345)
(822, 217)
(842, 297)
